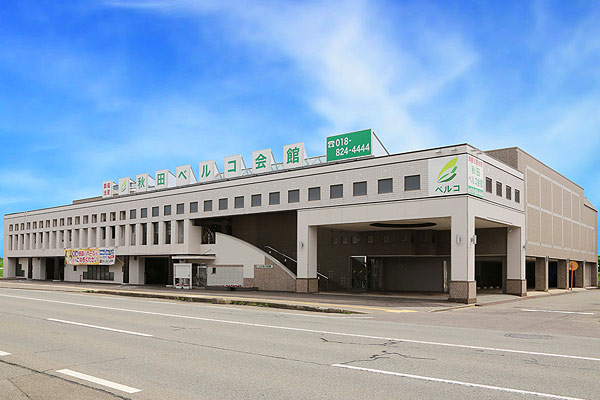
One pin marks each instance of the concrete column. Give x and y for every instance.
(563, 274)
(174, 232)
(516, 282)
(594, 276)
(578, 275)
(586, 274)
(52, 241)
(161, 232)
(541, 274)
(463, 287)
(127, 241)
(10, 267)
(307, 281)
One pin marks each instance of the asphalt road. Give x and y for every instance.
(71, 346)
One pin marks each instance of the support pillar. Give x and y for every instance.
(541, 274)
(594, 274)
(463, 288)
(562, 271)
(10, 267)
(306, 281)
(516, 282)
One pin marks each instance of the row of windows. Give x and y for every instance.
(411, 182)
(508, 192)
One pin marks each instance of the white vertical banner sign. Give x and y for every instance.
(294, 155)
(143, 183)
(164, 179)
(475, 178)
(207, 171)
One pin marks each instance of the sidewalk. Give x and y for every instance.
(329, 302)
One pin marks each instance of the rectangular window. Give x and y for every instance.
(222, 204)
(144, 213)
(113, 216)
(103, 217)
(85, 220)
(69, 221)
(10, 228)
(168, 232)
(62, 222)
(155, 211)
(336, 191)
(256, 200)
(103, 230)
(385, 185)
(155, 232)
(517, 196)
(35, 225)
(488, 185)
(274, 198)
(180, 232)
(113, 233)
(238, 202)
(98, 273)
(77, 221)
(122, 215)
(359, 188)
(508, 193)
(499, 189)
(180, 208)
(314, 193)
(144, 234)
(132, 214)
(167, 210)
(207, 205)
(132, 238)
(412, 182)
(293, 196)
(194, 207)
(28, 225)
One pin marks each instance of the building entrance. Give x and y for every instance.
(156, 271)
(488, 274)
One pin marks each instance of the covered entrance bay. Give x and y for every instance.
(156, 271)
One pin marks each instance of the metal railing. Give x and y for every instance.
(271, 250)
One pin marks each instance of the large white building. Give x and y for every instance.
(452, 219)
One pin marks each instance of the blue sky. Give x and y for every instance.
(97, 90)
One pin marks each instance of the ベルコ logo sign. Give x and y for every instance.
(448, 172)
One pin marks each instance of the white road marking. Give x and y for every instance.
(324, 316)
(98, 327)
(3, 353)
(462, 346)
(99, 381)
(468, 384)
(559, 312)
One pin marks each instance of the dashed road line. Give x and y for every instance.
(99, 381)
(98, 327)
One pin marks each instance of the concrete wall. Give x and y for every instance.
(225, 275)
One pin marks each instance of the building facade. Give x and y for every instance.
(454, 219)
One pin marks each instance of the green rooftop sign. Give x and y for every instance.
(349, 145)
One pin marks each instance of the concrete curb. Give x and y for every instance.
(225, 300)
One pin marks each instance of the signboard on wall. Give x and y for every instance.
(447, 175)
(91, 256)
(475, 176)
(349, 145)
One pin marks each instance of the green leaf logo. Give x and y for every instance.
(448, 172)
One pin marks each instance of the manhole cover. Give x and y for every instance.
(527, 336)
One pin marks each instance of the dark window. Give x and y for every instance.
(132, 214)
(314, 193)
(85, 221)
(359, 188)
(132, 241)
(517, 196)
(385, 185)
(180, 232)
(293, 196)
(508, 193)
(499, 189)
(223, 204)
(238, 202)
(256, 200)
(70, 220)
(103, 233)
(194, 207)
(155, 232)
(207, 205)
(168, 232)
(122, 215)
(336, 191)
(98, 273)
(180, 208)
(155, 211)
(143, 212)
(167, 210)
(412, 182)
(113, 233)
(488, 185)
(144, 234)
(274, 198)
